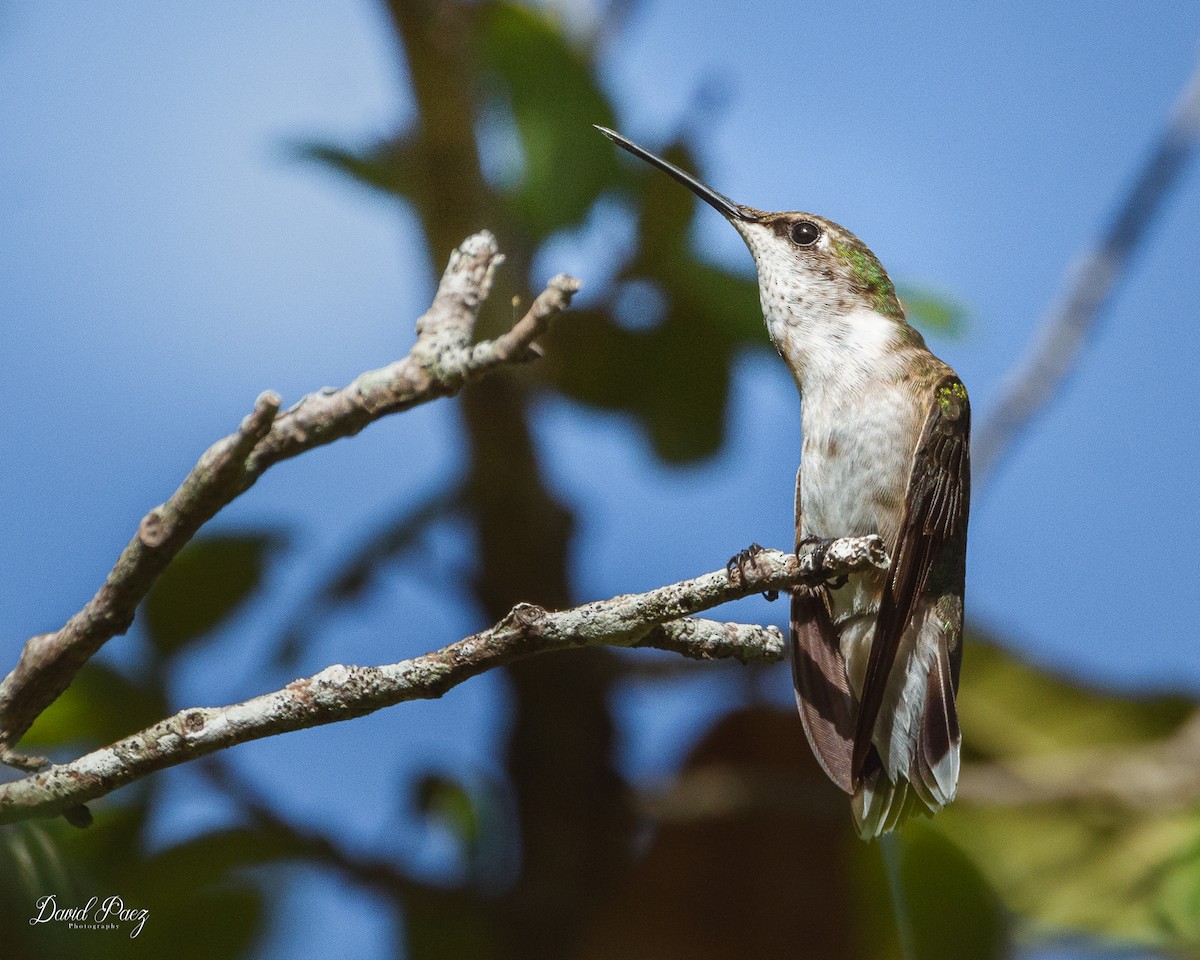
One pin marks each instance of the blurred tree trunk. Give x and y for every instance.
(754, 856)
(572, 805)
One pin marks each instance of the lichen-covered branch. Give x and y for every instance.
(651, 619)
(439, 364)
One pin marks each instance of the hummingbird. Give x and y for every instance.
(884, 450)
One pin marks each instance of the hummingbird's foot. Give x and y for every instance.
(738, 562)
(821, 545)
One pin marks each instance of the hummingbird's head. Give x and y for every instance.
(809, 264)
(812, 273)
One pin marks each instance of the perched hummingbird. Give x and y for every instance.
(885, 449)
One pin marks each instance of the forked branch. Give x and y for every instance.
(441, 361)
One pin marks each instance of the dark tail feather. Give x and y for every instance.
(935, 765)
(880, 805)
(822, 686)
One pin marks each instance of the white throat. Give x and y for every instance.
(823, 331)
(823, 345)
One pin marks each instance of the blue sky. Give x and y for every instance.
(164, 258)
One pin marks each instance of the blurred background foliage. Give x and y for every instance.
(745, 850)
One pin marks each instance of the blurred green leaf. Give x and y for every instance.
(100, 706)
(681, 405)
(932, 311)
(713, 304)
(1070, 867)
(1087, 864)
(30, 865)
(210, 857)
(450, 804)
(390, 165)
(665, 209)
(1009, 708)
(449, 925)
(554, 97)
(445, 923)
(204, 585)
(675, 376)
(201, 903)
(200, 924)
(951, 910)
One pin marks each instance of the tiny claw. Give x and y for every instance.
(821, 545)
(739, 561)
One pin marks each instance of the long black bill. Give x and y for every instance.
(726, 207)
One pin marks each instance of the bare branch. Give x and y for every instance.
(442, 360)
(709, 640)
(1091, 281)
(1150, 777)
(377, 873)
(1143, 778)
(341, 692)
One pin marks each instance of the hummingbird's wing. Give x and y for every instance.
(822, 687)
(932, 538)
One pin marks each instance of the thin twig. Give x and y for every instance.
(439, 364)
(375, 872)
(343, 692)
(1090, 284)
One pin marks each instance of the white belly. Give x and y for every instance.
(854, 469)
(855, 462)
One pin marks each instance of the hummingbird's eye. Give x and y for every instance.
(804, 233)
